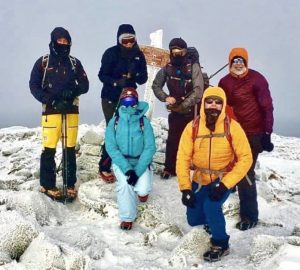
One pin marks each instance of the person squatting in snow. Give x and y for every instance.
(248, 94)
(185, 85)
(122, 65)
(130, 143)
(211, 153)
(57, 80)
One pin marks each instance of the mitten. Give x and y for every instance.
(266, 143)
(132, 178)
(217, 192)
(188, 198)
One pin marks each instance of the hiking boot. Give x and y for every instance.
(143, 198)
(206, 228)
(166, 175)
(126, 225)
(215, 253)
(107, 177)
(245, 224)
(71, 194)
(53, 193)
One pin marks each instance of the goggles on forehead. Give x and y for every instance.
(128, 40)
(238, 60)
(178, 52)
(218, 101)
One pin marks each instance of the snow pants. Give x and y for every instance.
(209, 212)
(127, 194)
(247, 190)
(51, 133)
(177, 123)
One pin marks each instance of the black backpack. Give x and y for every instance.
(193, 55)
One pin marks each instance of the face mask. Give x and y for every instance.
(177, 60)
(211, 118)
(61, 50)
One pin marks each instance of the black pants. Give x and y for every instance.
(48, 168)
(247, 192)
(109, 109)
(177, 123)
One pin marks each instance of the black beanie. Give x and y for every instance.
(125, 28)
(177, 43)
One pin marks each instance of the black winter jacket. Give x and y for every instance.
(60, 75)
(115, 65)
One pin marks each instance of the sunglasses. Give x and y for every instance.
(178, 52)
(126, 41)
(238, 60)
(215, 100)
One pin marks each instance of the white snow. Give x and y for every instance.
(37, 233)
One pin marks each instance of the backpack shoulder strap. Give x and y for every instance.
(73, 62)
(195, 127)
(227, 122)
(45, 63)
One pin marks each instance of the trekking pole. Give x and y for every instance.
(64, 140)
(212, 75)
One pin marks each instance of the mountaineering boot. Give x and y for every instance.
(215, 253)
(107, 176)
(166, 175)
(245, 224)
(126, 225)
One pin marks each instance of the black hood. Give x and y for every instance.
(125, 28)
(60, 50)
(60, 32)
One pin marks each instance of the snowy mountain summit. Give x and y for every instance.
(38, 233)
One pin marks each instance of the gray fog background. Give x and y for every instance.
(268, 29)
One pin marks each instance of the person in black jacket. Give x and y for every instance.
(122, 65)
(57, 79)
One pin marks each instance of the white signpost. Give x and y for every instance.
(156, 58)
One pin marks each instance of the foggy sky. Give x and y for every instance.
(269, 30)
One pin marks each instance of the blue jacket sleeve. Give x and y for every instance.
(149, 149)
(113, 149)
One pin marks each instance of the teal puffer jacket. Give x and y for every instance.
(130, 145)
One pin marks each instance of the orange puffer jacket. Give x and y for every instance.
(214, 153)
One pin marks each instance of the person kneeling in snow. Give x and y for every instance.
(130, 143)
(221, 156)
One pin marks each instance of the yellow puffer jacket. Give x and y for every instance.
(214, 153)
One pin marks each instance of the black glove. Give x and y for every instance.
(132, 178)
(179, 108)
(121, 83)
(217, 192)
(68, 94)
(47, 98)
(188, 198)
(266, 143)
(61, 106)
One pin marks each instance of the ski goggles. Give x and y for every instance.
(128, 40)
(178, 52)
(238, 60)
(129, 101)
(217, 101)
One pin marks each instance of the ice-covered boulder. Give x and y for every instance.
(16, 234)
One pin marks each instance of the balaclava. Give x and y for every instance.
(126, 30)
(60, 50)
(177, 43)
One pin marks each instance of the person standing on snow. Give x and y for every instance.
(220, 160)
(122, 65)
(130, 143)
(185, 84)
(248, 94)
(56, 81)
